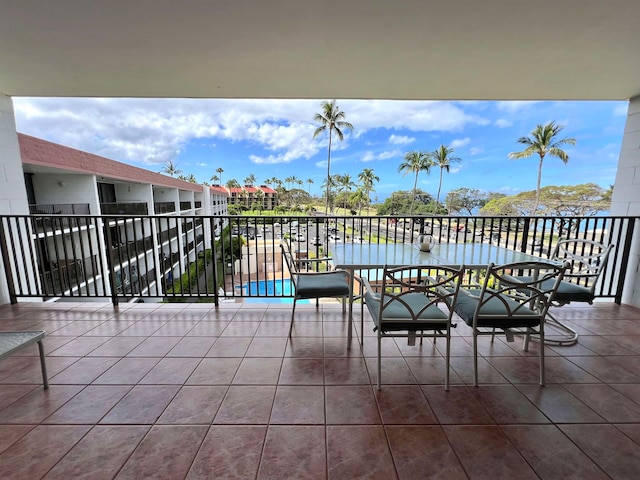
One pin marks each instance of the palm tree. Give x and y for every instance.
(332, 119)
(543, 141)
(345, 183)
(250, 180)
(219, 171)
(171, 169)
(443, 157)
(215, 179)
(415, 162)
(309, 182)
(367, 177)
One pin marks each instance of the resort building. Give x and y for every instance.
(250, 197)
(64, 181)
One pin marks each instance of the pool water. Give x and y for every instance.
(273, 289)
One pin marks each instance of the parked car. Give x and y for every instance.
(316, 241)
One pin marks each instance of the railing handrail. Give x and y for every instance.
(204, 261)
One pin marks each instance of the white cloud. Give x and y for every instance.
(461, 142)
(621, 110)
(370, 156)
(401, 139)
(475, 150)
(503, 123)
(513, 106)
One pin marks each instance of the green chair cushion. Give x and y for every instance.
(320, 285)
(395, 312)
(567, 291)
(493, 313)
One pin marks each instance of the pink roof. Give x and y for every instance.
(35, 151)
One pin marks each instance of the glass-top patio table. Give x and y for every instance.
(373, 256)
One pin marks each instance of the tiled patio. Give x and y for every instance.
(189, 391)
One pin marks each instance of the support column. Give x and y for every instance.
(626, 196)
(13, 193)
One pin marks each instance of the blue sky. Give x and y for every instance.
(270, 138)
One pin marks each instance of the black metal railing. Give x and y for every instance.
(124, 208)
(59, 209)
(185, 205)
(164, 207)
(125, 257)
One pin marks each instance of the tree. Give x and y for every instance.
(215, 179)
(415, 162)
(250, 180)
(467, 199)
(233, 183)
(443, 157)
(219, 171)
(401, 203)
(367, 177)
(309, 182)
(171, 169)
(331, 119)
(543, 141)
(345, 184)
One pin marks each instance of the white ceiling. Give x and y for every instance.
(395, 49)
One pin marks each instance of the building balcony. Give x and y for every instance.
(201, 391)
(124, 208)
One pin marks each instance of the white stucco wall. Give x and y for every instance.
(13, 194)
(626, 196)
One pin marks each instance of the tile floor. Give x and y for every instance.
(189, 391)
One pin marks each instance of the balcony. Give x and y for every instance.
(124, 208)
(164, 207)
(204, 391)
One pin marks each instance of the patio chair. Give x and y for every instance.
(312, 284)
(413, 300)
(510, 302)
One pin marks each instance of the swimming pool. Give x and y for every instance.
(276, 291)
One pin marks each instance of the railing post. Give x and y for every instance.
(7, 264)
(525, 234)
(628, 237)
(110, 270)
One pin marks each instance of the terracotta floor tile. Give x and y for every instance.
(606, 370)
(214, 371)
(507, 405)
(423, 452)
(142, 405)
(230, 347)
(117, 347)
(229, 452)
(170, 371)
(345, 448)
(165, 453)
(405, 405)
(38, 451)
(298, 405)
(351, 405)
(559, 405)
(154, 347)
(246, 405)
(11, 393)
(258, 371)
(430, 370)
(302, 371)
(267, 347)
(395, 371)
(100, 454)
(9, 434)
(208, 329)
(304, 347)
(240, 329)
(345, 371)
(84, 371)
(192, 347)
(551, 454)
(294, 452)
(89, 405)
(37, 405)
(194, 405)
(127, 371)
(613, 451)
(486, 452)
(607, 402)
(457, 406)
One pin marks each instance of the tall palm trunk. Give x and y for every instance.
(413, 198)
(439, 187)
(535, 208)
(326, 205)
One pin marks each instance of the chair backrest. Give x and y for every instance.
(522, 290)
(587, 260)
(439, 285)
(292, 265)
